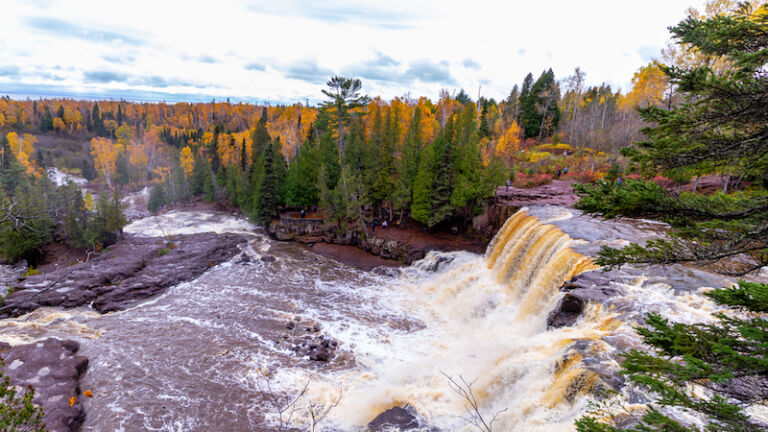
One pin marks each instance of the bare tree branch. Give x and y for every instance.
(464, 389)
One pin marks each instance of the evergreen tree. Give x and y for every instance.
(721, 123)
(87, 170)
(74, 215)
(540, 113)
(511, 106)
(383, 188)
(32, 225)
(473, 180)
(243, 156)
(260, 136)
(302, 179)
(463, 98)
(329, 158)
(157, 198)
(408, 166)
(442, 187)
(17, 412)
(106, 224)
(267, 194)
(729, 359)
(122, 171)
(98, 125)
(200, 173)
(11, 172)
(344, 95)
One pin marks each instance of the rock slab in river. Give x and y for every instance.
(132, 270)
(53, 369)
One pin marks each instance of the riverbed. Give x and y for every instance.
(211, 354)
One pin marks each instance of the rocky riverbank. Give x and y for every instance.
(130, 271)
(53, 369)
(394, 244)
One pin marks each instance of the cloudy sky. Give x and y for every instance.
(285, 50)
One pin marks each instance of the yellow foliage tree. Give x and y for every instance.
(508, 143)
(104, 153)
(23, 147)
(648, 87)
(186, 160)
(58, 124)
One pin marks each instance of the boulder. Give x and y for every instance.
(396, 419)
(53, 370)
(589, 287)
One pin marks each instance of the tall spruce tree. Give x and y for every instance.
(722, 121)
(344, 95)
(722, 124)
(302, 179)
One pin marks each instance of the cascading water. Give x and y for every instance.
(485, 321)
(189, 359)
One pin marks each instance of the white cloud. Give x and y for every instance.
(285, 51)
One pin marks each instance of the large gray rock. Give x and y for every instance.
(53, 370)
(589, 287)
(396, 419)
(131, 271)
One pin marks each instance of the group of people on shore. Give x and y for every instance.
(375, 222)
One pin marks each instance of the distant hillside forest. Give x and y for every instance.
(432, 161)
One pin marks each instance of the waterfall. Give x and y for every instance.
(533, 259)
(485, 319)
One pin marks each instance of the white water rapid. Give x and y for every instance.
(190, 359)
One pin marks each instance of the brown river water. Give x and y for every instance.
(195, 357)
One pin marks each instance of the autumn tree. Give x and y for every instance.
(186, 160)
(104, 153)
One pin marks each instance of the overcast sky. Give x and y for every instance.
(285, 50)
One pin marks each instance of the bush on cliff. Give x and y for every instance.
(17, 412)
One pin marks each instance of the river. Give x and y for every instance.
(199, 357)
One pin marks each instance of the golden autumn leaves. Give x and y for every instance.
(23, 148)
(73, 399)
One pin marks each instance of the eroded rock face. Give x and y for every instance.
(53, 369)
(132, 270)
(593, 286)
(559, 193)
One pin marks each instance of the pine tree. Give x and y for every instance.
(122, 172)
(385, 178)
(157, 198)
(302, 179)
(720, 121)
(408, 166)
(442, 187)
(539, 111)
(329, 157)
(344, 96)
(74, 216)
(721, 124)
(267, 198)
(260, 137)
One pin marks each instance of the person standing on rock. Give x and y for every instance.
(509, 182)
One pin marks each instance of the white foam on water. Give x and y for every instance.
(189, 222)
